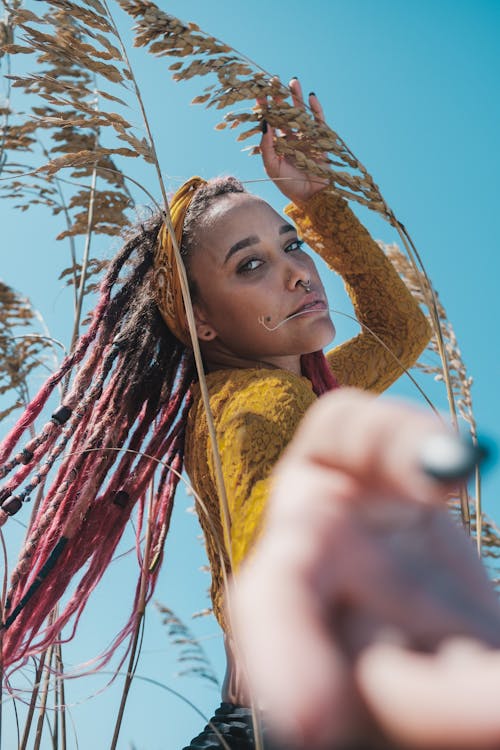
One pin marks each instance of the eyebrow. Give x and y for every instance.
(254, 240)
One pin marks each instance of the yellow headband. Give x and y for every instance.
(166, 274)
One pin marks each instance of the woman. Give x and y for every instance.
(262, 321)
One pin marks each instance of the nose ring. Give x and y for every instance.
(306, 284)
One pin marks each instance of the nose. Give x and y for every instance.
(297, 274)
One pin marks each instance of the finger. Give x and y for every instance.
(270, 158)
(262, 102)
(277, 99)
(402, 575)
(414, 569)
(278, 86)
(454, 551)
(376, 602)
(297, 673)
(377, 441)
(436, 702)
(316, 107)
(432, 567)
(296, 91)
(298, 676)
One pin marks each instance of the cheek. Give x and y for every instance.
(242, 310)
(243, 301)
(236, 319)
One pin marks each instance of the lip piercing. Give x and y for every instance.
(306, 284)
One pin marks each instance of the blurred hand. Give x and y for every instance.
(294, 183)
(346, 612)
(447, 700)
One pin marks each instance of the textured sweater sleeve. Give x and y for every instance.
(253, 430)
(394, 329)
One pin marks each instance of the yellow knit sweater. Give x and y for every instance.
(257, 411)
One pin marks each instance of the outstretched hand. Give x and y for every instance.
(363, 600)
(294, 183)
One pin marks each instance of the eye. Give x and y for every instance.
(295, 245)
(250, 265)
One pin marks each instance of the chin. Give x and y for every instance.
(331, 334)
(322, 338)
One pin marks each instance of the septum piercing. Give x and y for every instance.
(305, 284)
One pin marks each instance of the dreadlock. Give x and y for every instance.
(131, 392)
(124, 415)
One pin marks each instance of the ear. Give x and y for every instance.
(205, 331)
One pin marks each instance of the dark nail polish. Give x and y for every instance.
(449, 458)
(311, 93)
(295, 78)
(263, 126)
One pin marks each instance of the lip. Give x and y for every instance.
(316, 304)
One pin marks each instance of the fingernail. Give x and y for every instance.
(263, 126)
(295, 78)
(449, 458)
(311, 93)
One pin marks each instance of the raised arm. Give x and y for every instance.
(394, 329)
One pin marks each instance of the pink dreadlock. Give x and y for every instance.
(131, 392)
(124, 415)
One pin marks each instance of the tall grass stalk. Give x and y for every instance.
(239, 80)
(139, 619)
(42, 709)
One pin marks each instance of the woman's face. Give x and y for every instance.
(250, 272)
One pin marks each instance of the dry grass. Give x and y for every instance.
(419, 286)
(443, 340)
(21, 352)
(64, 152)
(191, 655)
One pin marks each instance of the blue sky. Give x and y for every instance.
(412, 89)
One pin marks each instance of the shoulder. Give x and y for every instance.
(252, 397)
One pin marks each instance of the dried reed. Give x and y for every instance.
(20, 354)
(191, 650)
(81, 40)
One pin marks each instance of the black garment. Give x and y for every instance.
(235, 724)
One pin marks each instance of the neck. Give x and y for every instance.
(220, 360)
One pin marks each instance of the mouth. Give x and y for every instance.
(317, 304)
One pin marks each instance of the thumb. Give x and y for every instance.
(270, 158)
(443, 700)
